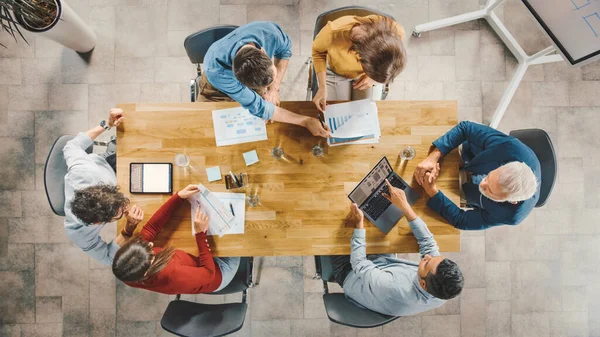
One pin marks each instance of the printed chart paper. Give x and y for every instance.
(237, 126)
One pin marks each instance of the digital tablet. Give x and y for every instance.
(151, 178)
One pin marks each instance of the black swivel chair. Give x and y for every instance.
(191, 319)
(539, 141)
(55, 170)
(196, 46)
(339, 309)
(322, 20)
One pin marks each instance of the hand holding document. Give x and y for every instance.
(217, 207)
(354, 122)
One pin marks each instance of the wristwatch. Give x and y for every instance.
(104, 125)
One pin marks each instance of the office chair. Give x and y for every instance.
(196, 46)
(339, 309)
(322, 20)
(55, 170)
(191, 319)
(539, 141)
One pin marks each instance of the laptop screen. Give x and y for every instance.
(370, 183)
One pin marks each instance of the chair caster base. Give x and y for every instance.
(416, 34)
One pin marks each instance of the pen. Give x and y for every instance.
(231, 207)
(321, 119)
(237, 183)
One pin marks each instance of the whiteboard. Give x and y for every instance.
(573, 26)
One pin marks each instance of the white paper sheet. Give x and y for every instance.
(238, 201)
(236, 126)
(156, 178)
(354, 122)
(221, 219)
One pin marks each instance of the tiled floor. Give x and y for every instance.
(538, 279)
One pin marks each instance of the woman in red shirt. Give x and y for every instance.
(168, 270)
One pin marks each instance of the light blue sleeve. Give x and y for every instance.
(283, 48)
(361, 266)
(74, 150)
(228, 84)
(427, 244)
(88, 239)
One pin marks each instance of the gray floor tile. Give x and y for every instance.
(447, 8)
(309, 10)
(531, 324)
(309, 328)
(103, 97)
(498, 320)
(471, 261)
(28, 230)
(173, 69)
(11, 71)
(441, 326)
(584, 221)
(441, 42)
(3, 104)
(523, 27)
(285, 16)
(42, 330)
(492, 62)
(560, 71)
(18, 49)
(48, 310)
(574, 298)
(472, 310)
(551, 94)
(31, 198)
(274, 328)
(233, 15)
(18, 124)
(10, 204)
(18, 257)
(550, 221)
(534, 286)
(582, 93)
(314, 306)
(141, 31)
(568, 324)
(577, 269)
(409, 326)
(17, 291)
(28, 97)
(160, 92)
(135, 329)
(61, 270)
(134, 70)
(468, 94)
(186, 14)
(590, 72)
(3, 237)
(424, 90)
(10, 330)
(287, 283)
(467, 51)
(102, 289)
(50, 125)
(102, 322)
(18, 171)
(128, 299)
(498, 281)
(534, 73)
(546, 119)
(451, 307)
(473, 114)
(68, 97)
(436, 68)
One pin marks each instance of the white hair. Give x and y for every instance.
(518, 181)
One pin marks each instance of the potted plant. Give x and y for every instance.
(52, 18)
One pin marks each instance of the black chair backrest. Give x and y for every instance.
(239, 282)
(341, 311)
(196, 45)
(337, 13)
(539, 141)
(190, 319)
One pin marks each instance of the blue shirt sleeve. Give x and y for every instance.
(427, 244)
(479, 135)
(229, 85)
(475, 219)
(283, 44)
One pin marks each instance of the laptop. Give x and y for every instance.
(368, 196)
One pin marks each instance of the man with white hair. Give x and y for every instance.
(500, 177)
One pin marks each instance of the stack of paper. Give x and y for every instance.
(221, 221)
(353, 123)
(236, 126)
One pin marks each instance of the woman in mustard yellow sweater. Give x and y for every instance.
(353, 56)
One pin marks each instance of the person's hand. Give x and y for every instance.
(355, 217)
(320, 99)
(396, 196)
(316, 128)
(200, 221)
(364, 82)
(188, 191)
(427, 165)
(429, 183)
(272, 95)
(134, 216)
(115, 117)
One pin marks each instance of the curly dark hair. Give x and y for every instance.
(98, 203)
(447, 282)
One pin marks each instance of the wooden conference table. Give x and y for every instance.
(302, 206)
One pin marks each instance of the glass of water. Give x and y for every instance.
(252, 199)
(318, 151)
(408, 153)
(182, 160)
(277, 152)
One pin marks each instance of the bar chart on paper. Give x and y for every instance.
(336, 122)
(353, 123)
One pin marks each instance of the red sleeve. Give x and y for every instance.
(191, 280)
(160, 218)
(205, 258)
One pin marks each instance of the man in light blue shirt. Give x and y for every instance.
(240, 66)
(92, 197)
(392, 286)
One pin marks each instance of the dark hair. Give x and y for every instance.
(380, 48)
(252, 67)
(98, 203)
(447, 282)
(133, 262)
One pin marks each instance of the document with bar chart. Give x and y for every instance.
(354, 122)
(236, 126)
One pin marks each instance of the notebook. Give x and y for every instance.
(151, 178)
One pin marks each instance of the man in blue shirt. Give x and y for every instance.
(502, 182)
(393, 286)
(240, 66)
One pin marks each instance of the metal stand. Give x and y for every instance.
(543, 56)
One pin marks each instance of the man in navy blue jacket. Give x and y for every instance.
(501, 177)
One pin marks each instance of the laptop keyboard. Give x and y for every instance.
(378, 204)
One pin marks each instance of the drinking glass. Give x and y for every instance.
(277, 152)
(182, 160)
(318, 151)
(253, 200)
(408, 153)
